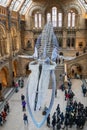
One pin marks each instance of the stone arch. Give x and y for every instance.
(61, 53)
(15, 68)
(75, 69)
(58, 6)
(38, 7)
(73, 6)
(4, 76)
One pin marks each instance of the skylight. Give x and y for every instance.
(4, 2)
(25, 6)
(84, 4)
(17, 5)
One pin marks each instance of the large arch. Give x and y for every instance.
(75, 69)
(37, 7)
(4, 76)
(73, 6)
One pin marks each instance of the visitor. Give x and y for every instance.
(4, 115)
(58, 126)
(23, 105)
(84, 91)
(25, 118)
(22, 97)
(54, 122)
(16, 87)
(19, 82)
(55, 93)
(48, 120)
(22, 83)
(1, 120)
(7, 106)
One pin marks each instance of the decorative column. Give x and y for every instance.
(10, 49)
(65, 77)
(18, 33)
(64, 39)
(64, 30)
(43, 21)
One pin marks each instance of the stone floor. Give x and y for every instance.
(15, 117)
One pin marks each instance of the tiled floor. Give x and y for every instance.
(15, 117)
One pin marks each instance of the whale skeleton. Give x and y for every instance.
(43, 70)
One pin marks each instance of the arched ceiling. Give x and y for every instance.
(84, 4)
(22, 6)
(16, 5)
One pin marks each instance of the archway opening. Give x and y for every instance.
(27, 69)
(4, 76)
(76, 71)
(15, 66)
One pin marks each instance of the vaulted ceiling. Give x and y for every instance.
(23, 5)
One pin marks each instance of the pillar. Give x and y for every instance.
(64, 39)
(65, 77)
(64, 31)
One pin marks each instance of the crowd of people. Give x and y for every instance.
(75, 113)
(4, 113)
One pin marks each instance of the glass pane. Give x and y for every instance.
(40, 20)
(25, 6)
(48, 17)
(36, 21)
(15, 5)
(69, 19)
(54, 16)
(73, 19)
(59, 19)
(4, 2)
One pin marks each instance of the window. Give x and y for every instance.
(68, 42)
(71, 42)
(59, 19)
(48, 17)
(71, 19)
(60, 42)
(38, 20)
(54, 16)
